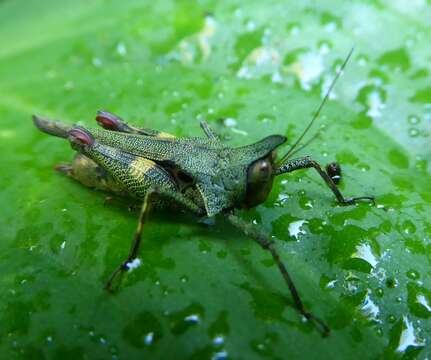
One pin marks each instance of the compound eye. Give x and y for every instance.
(260, 171)
(259, 181)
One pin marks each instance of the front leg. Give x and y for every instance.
(307, 162)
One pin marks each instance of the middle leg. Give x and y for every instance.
(151, 195)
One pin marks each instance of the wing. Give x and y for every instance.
(191, 155)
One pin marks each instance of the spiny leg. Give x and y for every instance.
(110, 121)
(134, 249)
(263, 240)
(307, 162)
(210, 133)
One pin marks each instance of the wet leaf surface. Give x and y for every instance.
(206, 291)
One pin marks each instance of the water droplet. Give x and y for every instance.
(220, 355)
(193, 318)
(295, 30)
(148, 339)
(308, 69)
(369, 307)
(413, 132)
(250, 25)
(362, 61)
(282, 198)
(379, 292)
(379, 331)
(238, 12)
(295, 228)
(413, 120)
(408, 337)
(218, 340)
(421, 299)
(324, 48)
(229, 122)
(392, 319)
(408, 227)
(331, 284)
(276, 77)
(375, 104)
(364, 252)
(331, 26)
(184, 279)
(309, 204)
(413, 274)
(121, 49)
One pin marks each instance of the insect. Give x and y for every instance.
(202, 175)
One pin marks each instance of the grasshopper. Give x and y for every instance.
(202, 175)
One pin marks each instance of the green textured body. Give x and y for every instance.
(211, 175)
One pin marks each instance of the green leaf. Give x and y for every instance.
(207, 291)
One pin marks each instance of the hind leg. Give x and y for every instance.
(113, 122)
(90, 174)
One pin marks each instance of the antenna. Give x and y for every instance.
(317, 113)
(314, 137)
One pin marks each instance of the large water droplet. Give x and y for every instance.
(408, 337)
(295, 228)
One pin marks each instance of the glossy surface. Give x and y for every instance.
(205, 291)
